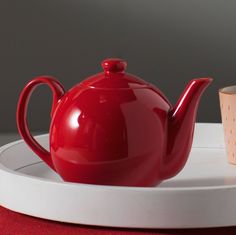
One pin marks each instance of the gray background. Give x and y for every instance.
(165, 42)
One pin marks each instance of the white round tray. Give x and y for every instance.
(202, 195)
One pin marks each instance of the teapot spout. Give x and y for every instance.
(181, 127)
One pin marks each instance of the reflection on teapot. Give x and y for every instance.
(114, 128)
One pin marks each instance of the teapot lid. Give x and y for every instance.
(114, 76)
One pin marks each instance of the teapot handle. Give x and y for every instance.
(58, 92)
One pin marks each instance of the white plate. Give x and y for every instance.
(202, 195)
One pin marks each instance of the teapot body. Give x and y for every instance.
(109, 136)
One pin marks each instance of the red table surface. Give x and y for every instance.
(12, 223)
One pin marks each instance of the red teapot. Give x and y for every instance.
(114, 128)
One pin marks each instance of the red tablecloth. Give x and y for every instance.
(12, 223)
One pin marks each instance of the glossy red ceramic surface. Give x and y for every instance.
(115, 129)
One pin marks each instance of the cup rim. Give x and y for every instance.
(225, 90)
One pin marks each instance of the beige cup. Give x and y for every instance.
(228, 115)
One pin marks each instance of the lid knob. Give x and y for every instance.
(114, 65)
